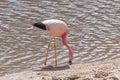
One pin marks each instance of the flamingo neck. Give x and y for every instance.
(67, 45)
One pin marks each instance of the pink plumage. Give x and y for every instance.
(55, 27)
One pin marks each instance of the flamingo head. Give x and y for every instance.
(37, 25)
(40, 25)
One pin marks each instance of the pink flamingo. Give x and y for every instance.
(54, 28)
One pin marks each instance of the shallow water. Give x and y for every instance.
(94, 32)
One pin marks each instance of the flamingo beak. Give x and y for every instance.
(31, 28)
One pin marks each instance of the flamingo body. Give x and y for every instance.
(55, 27)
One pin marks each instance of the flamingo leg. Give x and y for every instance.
(47, 51)
(55, 51)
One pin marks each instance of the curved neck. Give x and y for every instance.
(66, 44)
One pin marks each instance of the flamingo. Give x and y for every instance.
(55, 28)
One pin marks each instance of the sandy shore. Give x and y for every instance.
(107, 70)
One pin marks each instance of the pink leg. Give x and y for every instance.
(47, 51)
(55, 51)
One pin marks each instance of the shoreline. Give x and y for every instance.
(103, 70)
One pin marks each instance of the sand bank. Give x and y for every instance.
(104, 70)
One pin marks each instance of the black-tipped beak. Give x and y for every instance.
(31, 28)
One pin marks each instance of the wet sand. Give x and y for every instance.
(104, 70)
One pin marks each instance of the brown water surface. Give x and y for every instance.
(94, 32)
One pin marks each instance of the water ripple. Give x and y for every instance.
(93, 31)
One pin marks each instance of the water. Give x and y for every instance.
(94, 32)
